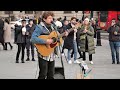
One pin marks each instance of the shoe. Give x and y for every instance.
(62, 54)
(91, 62)
(113, 62)
(17, 62)
(76, 61)
(27, 59)
(118, 62)
(22, 62)
(69, 62)
(83, 61)
(33, 59)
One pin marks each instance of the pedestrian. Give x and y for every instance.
(94, 25)
(30, 29)
(65, 24)
(7, 34)
(46, 64)
(21, 40)
(70, 41)
(2, 33)
(87, 40)
(114, 40)
(79, 24)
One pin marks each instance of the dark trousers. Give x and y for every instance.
(84, 57)
(28, 46)
(21, 46)
(46, 69)
(9, 45)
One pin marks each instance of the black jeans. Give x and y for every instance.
(28, 46)
(46, 69)
(84, 57)
(9, 45)
(21, 46)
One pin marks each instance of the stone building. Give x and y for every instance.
(19, 14)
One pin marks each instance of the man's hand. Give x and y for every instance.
(75, 30)
(115, 33)
(49, 41)
(66, 33)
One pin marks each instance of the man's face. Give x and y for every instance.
(66, 23)
(31, 22)
(113, 22)
(24, 23)
(48, 20)
(73, 21)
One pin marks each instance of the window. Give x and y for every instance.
(67, 12)
(8, 12)
(103, 16)
(28, 12)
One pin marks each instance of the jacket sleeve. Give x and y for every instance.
(109, 30)
(34, 39)
(81, 32)
(91, 32)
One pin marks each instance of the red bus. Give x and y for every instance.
(105, 17)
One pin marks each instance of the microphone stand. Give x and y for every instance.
(55, 27)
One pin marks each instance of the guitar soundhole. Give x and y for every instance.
(54, 39)
(54, 42)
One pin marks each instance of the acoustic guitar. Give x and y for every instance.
(46, 50)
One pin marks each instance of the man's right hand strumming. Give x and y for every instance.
(49, 41)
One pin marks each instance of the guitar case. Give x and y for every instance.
(59, 71)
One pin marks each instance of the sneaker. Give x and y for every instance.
(76, 61)
(17, 62)
(33, 59)
(83, 61)
(27, 59)
(91, 62)
(62, 54)
(69, 62)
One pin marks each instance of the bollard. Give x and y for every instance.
(98, 38)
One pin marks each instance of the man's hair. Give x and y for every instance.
(46, 14)
(30, 20)
(114, 19)
(23, 20)
(73, 18)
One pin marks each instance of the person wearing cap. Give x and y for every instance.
(21, 40)
(30, 29)
(87, 40)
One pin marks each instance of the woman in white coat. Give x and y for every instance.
(7, 34)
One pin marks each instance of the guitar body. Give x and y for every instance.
(46, 50)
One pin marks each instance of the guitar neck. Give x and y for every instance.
(69, 30)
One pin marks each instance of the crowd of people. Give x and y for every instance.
(79, 37)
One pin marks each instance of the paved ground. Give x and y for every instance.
(102, 68)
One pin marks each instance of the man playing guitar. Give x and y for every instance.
(46, 63)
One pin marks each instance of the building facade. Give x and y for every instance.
(19, 14)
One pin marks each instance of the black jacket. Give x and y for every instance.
(20, 37)
(68, 42)
(1, 30)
